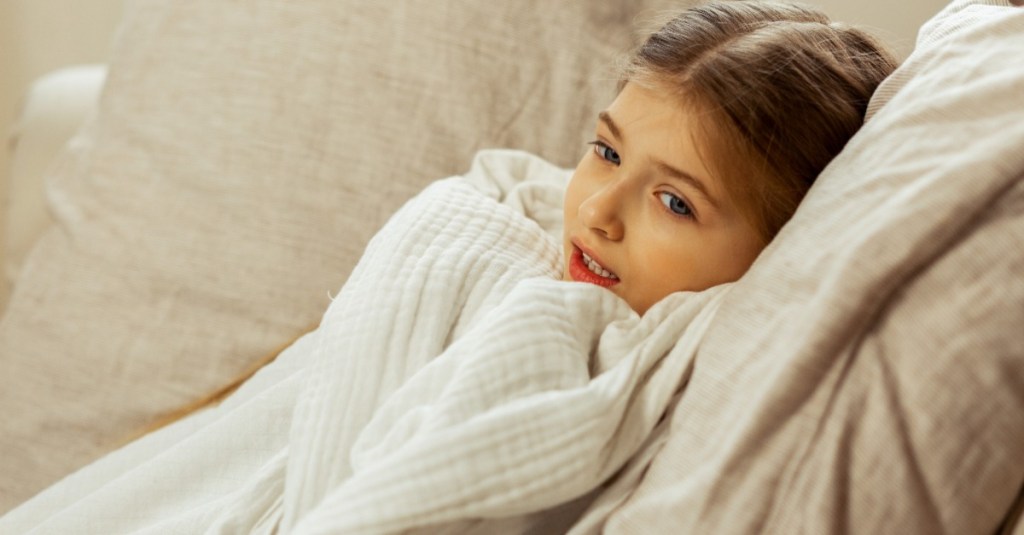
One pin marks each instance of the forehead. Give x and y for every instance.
(659, 126)
(649, 111)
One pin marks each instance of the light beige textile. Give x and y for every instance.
(867, 376)
(455, 384)
(241, 157)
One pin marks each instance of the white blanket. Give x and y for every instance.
(453, 385)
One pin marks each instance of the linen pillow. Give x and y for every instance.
(241, 157)
(867, 375)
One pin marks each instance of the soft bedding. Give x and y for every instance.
(454, 381)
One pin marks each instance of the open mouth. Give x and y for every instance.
(583, 268)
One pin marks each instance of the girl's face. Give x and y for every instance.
(644, 217)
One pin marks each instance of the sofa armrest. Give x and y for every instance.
(55, 107)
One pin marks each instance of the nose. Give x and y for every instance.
(601, 211)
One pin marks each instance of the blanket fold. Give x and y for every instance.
(454, 384)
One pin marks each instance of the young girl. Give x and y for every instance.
(455, 384)
(724, 118)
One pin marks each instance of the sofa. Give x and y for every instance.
(191, 207)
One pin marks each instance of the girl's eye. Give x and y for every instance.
(675, 205)
(606, 153)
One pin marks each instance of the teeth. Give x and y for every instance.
(596, 268)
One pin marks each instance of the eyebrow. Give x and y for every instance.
(607, 120)
(663, 167)
(693, 181)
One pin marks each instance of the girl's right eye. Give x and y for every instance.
(605, 152)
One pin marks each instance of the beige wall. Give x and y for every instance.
(896, 22)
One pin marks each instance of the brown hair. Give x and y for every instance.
(783, 87)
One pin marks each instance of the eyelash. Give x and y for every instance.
(601, 149)
(668, 205)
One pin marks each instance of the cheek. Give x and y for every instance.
(722, 259)
(737, 246)
(741, 255)
(670, 263)
(690, 259)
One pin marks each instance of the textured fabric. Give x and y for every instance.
(867, 375)
(454, 384)
(241, 157)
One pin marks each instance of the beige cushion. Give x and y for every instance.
(54, 109)
(867, 375)
(241, 157)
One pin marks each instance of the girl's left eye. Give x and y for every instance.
(606, 153)
(675, 205)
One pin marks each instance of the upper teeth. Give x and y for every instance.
(596, 268)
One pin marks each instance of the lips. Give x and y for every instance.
(583, 267)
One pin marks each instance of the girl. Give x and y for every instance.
(724, 118)
(452, 380)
